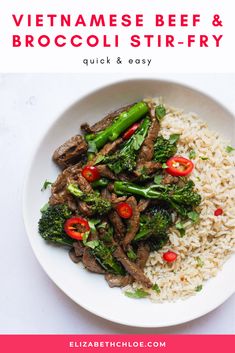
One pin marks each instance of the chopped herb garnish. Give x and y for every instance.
(137, 294)
(174, 138)
(85, 237)
(156, 288)
(99, 159)
(180, 227)
(46, 184)
(164, 166)
(198, 288)
(230, 149)
(93, 223)
(92, 244)
(131, 254)
(158, 179)
(92, 147)
(200, 263)
(198, 178)
(203, 158)
(102, 225)
(192, 154)
(137, 141)
(194, 216)
(160, 111)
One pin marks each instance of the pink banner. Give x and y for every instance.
(116, 343)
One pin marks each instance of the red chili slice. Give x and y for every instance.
(170, 256)
(90, 173)
(76, 227)
(218, 212)
(124, 210)
(131, 131)
(179, 166)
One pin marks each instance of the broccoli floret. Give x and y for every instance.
(165, 149)
(154, 223)
(125, 158)
(51, 224)
(103, 255)
(98, 205)
(156, 243)
(185, 195)
(181, 199)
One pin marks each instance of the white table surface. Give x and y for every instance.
(29, 301)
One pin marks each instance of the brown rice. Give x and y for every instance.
(207, 244)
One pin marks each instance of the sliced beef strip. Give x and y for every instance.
(115, 200)
(118, 280)
(78, 248)
(132, 268)
(108, 148)
(134, 222)
(148, 168)
(90, 262)
(84, 209)
(106, 172)
(147, 148)
(124, 177)
(70, 152)
(83, 184)
(119, 227)
(59, 193)
(110, 187)
(143, 252)
(143, 204)
(105, 122)
(122, 281)
(169, 179)
(76, 259)
(105, 193)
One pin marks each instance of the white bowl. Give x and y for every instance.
(90, 290)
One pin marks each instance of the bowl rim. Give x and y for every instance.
(34, 152)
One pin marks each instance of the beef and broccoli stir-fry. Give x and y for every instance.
(121, 187)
